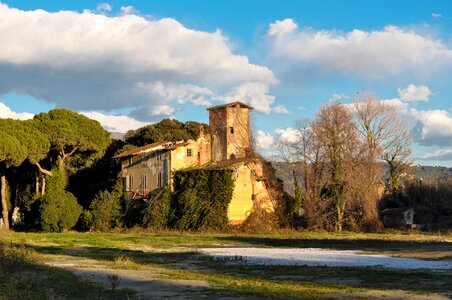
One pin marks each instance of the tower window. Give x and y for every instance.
(231, 129)
(189, 152)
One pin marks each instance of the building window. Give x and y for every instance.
(127, 183)
(159, 156)
(130, 160)
(144, 179)
(160, 181)
(189, 152)
(231, 129)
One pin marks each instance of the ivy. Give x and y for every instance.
(201, 199)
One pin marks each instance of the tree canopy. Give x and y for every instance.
(70, 133)
(165, 130)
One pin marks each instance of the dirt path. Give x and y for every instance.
(150, 284)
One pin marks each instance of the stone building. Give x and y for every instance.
(149, 168)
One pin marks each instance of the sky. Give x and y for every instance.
(132, 63)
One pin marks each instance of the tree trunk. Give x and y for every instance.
(37, 185)
(43, 190)
(4, 206)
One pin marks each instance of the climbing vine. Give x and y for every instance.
(201, 198)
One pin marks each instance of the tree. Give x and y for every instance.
(71, 133)
(12, 153)
(386, 137)
(335, 133)
(165, 130)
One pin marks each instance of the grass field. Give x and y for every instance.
(156, 265)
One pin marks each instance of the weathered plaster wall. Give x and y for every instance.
(146, 164)
(250, 191)
(238, 132)
(230, 132)
(242, 198)
(217, 123)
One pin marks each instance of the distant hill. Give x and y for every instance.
(117, 136)
(284, 171)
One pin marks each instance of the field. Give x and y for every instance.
(140, 265)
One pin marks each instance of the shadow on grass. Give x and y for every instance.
(342, 244)
(229, 278)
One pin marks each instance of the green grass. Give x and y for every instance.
(173, 255)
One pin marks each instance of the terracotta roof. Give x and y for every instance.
(152, 148)
(230, 104)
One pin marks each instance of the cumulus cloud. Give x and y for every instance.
(88, 61)
(282, 27)
(440, 154)
(434, 127)
(264, 140)
(288, 135)
(396, 103)
(436, 15)
(413, 93)
(281, 109)
(371, 54)
(114, 123)
(104, 8)
(128, 10)
(8, 113)
(256, 95)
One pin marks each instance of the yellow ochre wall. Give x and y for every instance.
(249, 192)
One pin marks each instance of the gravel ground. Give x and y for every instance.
(320, 257)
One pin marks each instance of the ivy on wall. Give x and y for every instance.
(201, 199)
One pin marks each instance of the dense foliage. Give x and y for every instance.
(105, 211)
(58, 209)
(158, 211)
(202, 198)
(165, 130)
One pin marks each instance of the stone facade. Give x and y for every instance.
(149, 168)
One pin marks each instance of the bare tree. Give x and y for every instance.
(336, 135)
(387, 137)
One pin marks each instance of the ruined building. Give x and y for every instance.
(149, 168)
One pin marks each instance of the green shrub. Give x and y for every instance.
(58, 209)
(105, 211)
(201, 199)
(157, 213)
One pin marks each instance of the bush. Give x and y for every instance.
(105, 211)
(58, 211)
(157, 213)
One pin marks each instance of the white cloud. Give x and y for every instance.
(128, 10)
(280, 109)
(162, 110)
(256, 95)
(114, 123)
(414, 93)
(396, 103)
(434, 127)
(8, 113)
(264, 140)
(371, 54)
(282, 27)
(440, 154)
(288, 135)
(104, 8)
(436, 15)
(337, 98)
(87, 61)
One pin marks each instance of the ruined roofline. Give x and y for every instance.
(152, 148)
(241, 104)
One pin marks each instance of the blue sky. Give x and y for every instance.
(142, 61)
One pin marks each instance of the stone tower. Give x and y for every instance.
(230, 131)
